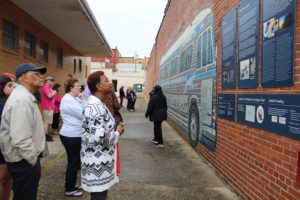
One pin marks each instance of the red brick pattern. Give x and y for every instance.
(9, 59)
(258, 164)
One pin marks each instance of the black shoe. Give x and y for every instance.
(49, 138)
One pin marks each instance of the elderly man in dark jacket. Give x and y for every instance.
(157, 112)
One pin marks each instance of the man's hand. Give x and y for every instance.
(33, 164)
(52, 94)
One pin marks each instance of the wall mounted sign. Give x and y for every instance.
(248, 24)
(229, 50)
(278, 113)
(226, 106)
(278, 33)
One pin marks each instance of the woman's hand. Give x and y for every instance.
(80, 96)
(120, 128)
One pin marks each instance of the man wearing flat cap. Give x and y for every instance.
(22, 138)
(48, 105)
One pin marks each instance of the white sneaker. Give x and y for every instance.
(154, 142)
(159, 145)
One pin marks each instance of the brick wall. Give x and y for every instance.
(257, 163)
(10, 59)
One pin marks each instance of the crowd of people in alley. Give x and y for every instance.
(31, 109)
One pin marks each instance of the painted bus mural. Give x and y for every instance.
(188, 78)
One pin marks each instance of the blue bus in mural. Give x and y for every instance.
(188, 78)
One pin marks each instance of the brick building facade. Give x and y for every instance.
(23, 38)
(142, 61)
(259, 164)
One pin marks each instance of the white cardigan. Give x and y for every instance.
(71, 109)
(98, 152)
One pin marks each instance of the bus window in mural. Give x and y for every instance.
(188, 78)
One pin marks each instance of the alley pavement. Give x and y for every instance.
(174, 172)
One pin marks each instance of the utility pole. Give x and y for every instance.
(135, 56)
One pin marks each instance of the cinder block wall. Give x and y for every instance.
(10, 59)
(257, 163)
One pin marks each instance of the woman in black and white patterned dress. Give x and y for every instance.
(100, 134)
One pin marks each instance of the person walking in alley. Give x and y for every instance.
(57, 100)
(121, 95)
(100, 134)
(48, 105)
(131, 98)
(6, 87)
(157, 112)
(71, 109)
(134, 97)
(22, 138)
(128, 97)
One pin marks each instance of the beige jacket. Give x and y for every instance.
(21, 132)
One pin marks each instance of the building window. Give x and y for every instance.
(74, 69)
(205, 49)
(114, 84)
(182, 61)
(188, 58)
(9, 35)
(138, 87)
(167, 71)
(210, 49)
(174, 65)
(44, 51)
(198, 58)
(29, 45)
(59, 57)
(80, 65)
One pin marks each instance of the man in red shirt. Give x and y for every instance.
(48, 105)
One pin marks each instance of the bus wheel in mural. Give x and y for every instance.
(194, 124)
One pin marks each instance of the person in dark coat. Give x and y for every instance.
(157, 112)
(121, 95)
(131, 98)
(134, 97)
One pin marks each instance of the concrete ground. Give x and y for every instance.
(174, 172)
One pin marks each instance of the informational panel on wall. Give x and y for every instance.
(278, 113)
(226, 106)
(278, 29)
(229, 49)
(248, 24)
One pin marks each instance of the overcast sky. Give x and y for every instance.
(131, 25)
